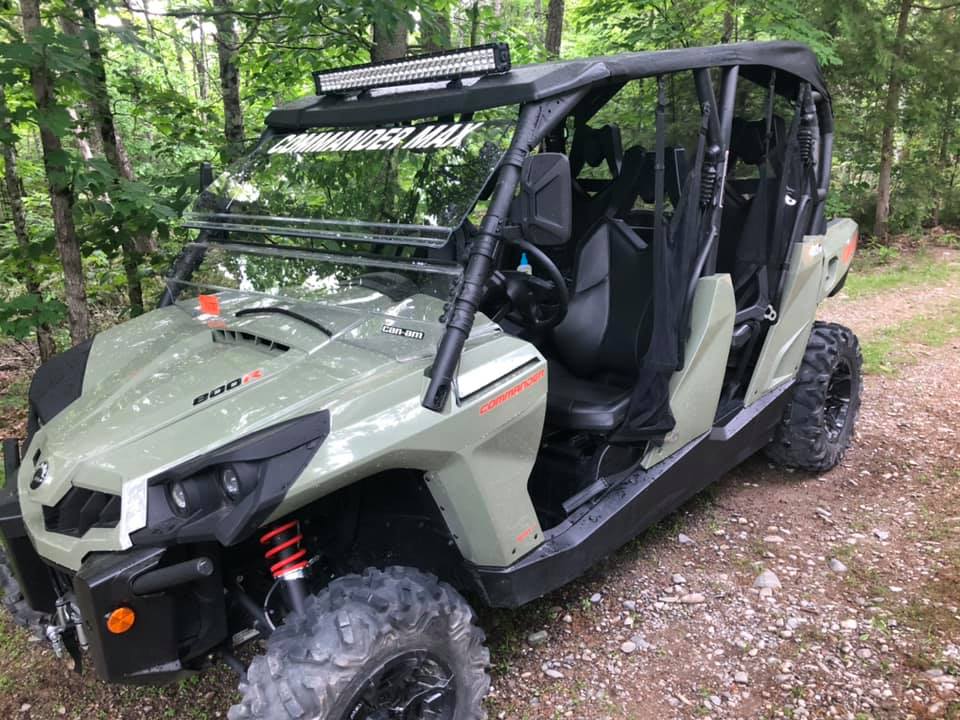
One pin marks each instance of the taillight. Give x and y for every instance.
(851, 247)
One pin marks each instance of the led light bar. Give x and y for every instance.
(489, 59)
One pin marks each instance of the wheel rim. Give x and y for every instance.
(837, 408)
(414, 685)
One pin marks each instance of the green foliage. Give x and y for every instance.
(880, 268)
(20, 315)
(162, 78)
(900, 345)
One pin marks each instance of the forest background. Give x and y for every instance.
(108, 108)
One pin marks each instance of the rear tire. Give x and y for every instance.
(14, 602)
(818, 424)
(386, 639)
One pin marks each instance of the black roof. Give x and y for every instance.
(794, 62)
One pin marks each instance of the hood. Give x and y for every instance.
(183, 380)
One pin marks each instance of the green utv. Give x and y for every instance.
(449, 325)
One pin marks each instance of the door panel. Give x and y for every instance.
(787, 338)
(695, 390)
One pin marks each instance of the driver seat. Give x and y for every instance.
(605, 333)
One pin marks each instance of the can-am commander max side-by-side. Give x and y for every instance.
(451, 327)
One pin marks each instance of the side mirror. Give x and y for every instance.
(545, 203)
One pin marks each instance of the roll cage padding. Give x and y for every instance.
(593, 146)
(535, 123)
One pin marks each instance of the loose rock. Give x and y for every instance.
(538, 638)
(767, 579)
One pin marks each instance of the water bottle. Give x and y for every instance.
(525, 266)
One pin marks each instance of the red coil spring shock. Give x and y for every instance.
(285, 554)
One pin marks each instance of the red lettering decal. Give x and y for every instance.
(524, 535)
(512, 392)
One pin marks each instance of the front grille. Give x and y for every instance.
(82, 509)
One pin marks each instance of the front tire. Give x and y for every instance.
(818, 424)
(391, 644)
(16, 604)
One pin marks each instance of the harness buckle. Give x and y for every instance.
(770, 314)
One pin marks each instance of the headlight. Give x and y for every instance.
(225, 495)
(230, 483)
(178, 497)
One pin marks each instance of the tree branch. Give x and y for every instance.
(210, 13)
(936, 8)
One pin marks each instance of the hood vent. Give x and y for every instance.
(238, 337)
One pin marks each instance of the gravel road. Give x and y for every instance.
(771, 595)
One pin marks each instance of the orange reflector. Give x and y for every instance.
(121, 620)
(209, 304)
(851, 247)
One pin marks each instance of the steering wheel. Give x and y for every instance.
(530, 301)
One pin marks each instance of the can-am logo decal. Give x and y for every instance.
(402, 332)
(512, 392)
(40, 475)
(226, 387)
(418, 137)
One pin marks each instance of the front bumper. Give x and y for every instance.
(173, 627)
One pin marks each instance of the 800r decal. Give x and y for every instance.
(232, 385)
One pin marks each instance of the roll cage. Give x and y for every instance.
(686, 247)
(692, 248)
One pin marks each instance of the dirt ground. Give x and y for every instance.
(862, 622)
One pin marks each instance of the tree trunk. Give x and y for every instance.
(113, 151)
(474, 21)
(438, 36)
(890, 112)
(61, 193)
(729, 26)
(229, 81)
(14, 187)
(152, 31)
(389, 42)
(83, 138)
(200, 61)
(943, 159)
(554, 28)
(88, 143)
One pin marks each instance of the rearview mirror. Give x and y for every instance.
(545, 203)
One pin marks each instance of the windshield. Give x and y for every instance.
(361, 218)
(412, 183)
